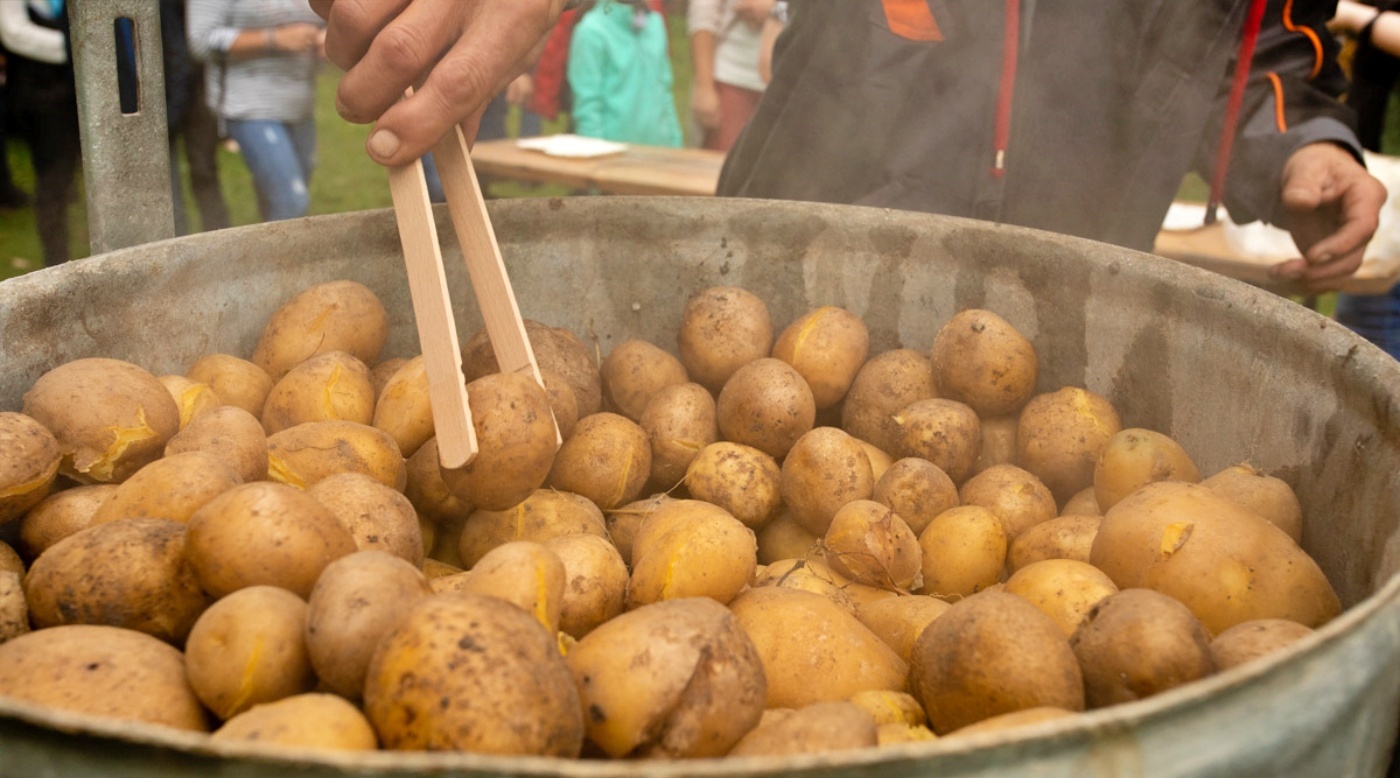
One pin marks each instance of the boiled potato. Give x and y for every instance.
(173, 487)
(689, 548)
(899, 621)
(29, 459)
(248, 648)
(784, 538)
(991, 654)
(887, 707)
(963, 551)
(264, 533)
(562, 402)
(516, 437)
(825, 469)
(234, 380)
(1137, 643)
(634, 372)
(722, 329)
(596, 579)
(192, 398)
(467, 672)
(302, 455)
(377, 516)
(425, 488)
(1016, 496)
(945, 432)
(110, 417)
(558, 351)
(101, 671)
(356, 601)
(1060, 436)
(814, 650)
(59, 515)
(130, 573)
(680, 422)
(401, 407)
(14, 608)
(980, 359)
(1067, 537)
(1223, 562)
(916, 489)
(333, 386)
(827, 346)
(523, 573)
(1083, 503)
(333, 316)
(545, 514)
(1261, 493)
(808, 575)
(765, 404)
(738, 478)
(674, 679)
(1250, 640)
(887, 383)
(380, 372)
(813, 729)
(607, 460)
(303, 721)
(230, 433)
(1065, 589)
(1135, 458)
(879, 460)
(870, 544)
(624, 521)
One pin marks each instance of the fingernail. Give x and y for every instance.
(383, 144)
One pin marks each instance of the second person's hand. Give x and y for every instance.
(456, 53)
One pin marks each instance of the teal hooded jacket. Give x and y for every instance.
(620, 76)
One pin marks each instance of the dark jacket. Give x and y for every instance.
(895, 104)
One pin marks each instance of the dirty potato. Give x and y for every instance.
(337, 315)
(234, 380)
(766, 404)
(980, 359)
(230, 433)
(945, 432)
(741, 479)
(634, 372)
(29, 459)
(377, 516)
(516, 437)
(607, 460)
(722, 329)
(887, 383)
(680, 422)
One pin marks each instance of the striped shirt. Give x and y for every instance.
(279, 86)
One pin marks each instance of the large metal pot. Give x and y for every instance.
(1231, 372)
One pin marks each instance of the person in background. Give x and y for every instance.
(260, 80)
(191, 123)
(724, 53)
(42, 104)
(550, 95)
(620, 76)
(11, 196)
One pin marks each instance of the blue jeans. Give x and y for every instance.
(280, 155)
(1374, 317)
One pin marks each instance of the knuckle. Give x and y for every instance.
(460, 86)
(404, 49)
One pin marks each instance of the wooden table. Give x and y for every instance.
(640, 170)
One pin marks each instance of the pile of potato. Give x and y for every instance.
(753, 543)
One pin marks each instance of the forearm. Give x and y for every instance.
(702, 56)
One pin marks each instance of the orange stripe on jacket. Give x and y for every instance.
(1307, 31)
(912, 19)
(1278, 102)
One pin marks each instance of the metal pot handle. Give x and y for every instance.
(126, 157)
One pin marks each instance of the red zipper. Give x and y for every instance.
(1248, 38)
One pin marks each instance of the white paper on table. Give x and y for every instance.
(575, 146)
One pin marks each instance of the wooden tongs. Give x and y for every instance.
(432, 305)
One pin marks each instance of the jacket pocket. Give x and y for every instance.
(911, 19)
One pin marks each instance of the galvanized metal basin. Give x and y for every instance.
(1231, 372)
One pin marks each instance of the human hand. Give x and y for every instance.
(753, 12)
(462, 52)
(1333, 208)
(520, 89)
(1351, 17)
(297, 37)
(704, 104)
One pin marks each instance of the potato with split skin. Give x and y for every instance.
(333, 386)
(1251, 640)
(879, 460)
(722, 329)
(900, 620)
(689, 548)
(337, 315)
(29, 460)
(680, 422)
(1135, 458)
(356, 601)
(230, 433)
(377, 516)
(190, 397)
(887, 707)
(173, 487)
(1266, 495)
(1137, 643)
(302, 721)
(544, 515)
(676, 679)
(234, 380)
(558, 351)
(1060, 436)
(766, 404)
(916, 489)
(516, 438)
(818, 728)
(130, 573)
(1064, 589)
(562, 402)
(1016, 496)
(595, 582)
(249, 648)
(825, 469)
(634, 371)
(741, 479)
(886, 383)
(945, 432)
(467, 672)
(302, 455)
(101, 671)
(980, 359)
(808, 575)
(870, 544)
(1066, 537)
(814, 650)
(963, 551)
(523, 573)
(401, 407)
(59, 515)
(607, 460)
(110, 417)
(827, 346)
(264, 533)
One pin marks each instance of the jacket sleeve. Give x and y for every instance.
(1292, 99)
(209, 32)
(586, 65)
(25, 38)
